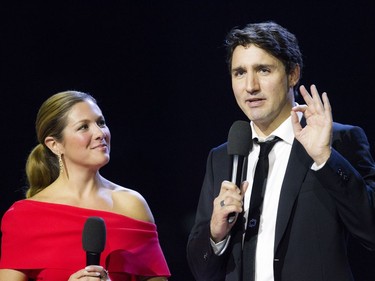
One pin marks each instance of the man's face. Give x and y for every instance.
(262, 89)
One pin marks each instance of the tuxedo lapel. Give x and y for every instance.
(298, 165)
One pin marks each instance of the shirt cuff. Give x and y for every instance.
(316, 167)
(220, 247)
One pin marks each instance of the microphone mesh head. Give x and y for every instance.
(240, 138)
(94, 235)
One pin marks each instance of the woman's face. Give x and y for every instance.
(86, 137)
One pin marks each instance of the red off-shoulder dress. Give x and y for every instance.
(44, 240)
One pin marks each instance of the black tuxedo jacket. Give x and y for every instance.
(317, 211)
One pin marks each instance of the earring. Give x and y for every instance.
(61, 164)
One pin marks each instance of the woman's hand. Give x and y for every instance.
(90, 273)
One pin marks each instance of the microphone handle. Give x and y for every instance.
(92, 258)
(237, 173)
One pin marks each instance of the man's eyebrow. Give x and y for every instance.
(262, 65)
(255, 66)
(238, 68)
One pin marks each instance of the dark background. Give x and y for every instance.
(157, 69)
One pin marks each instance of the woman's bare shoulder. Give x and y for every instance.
(131, 203)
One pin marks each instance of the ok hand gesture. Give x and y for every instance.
(316, 136)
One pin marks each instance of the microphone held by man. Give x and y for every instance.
(239, 145)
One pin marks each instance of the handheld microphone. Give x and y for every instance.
(93, 239)
(239, 145)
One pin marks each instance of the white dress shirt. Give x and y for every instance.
(278, 160)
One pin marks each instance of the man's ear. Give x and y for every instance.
(294, 75)
(52, 144)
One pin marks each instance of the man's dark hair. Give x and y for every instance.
(272, 38)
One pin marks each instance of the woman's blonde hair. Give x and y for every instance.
(42, 165)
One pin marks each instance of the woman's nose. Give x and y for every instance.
(100, 132)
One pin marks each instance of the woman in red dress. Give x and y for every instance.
(42, 234)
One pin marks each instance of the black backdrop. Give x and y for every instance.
(157, 69)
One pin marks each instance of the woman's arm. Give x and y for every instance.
(12, 275)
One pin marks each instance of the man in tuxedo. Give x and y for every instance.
(320, 183)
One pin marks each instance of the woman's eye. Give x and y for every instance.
(101, 123)
(83, 127)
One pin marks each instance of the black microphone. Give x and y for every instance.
(239, 145)
(93, 239)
